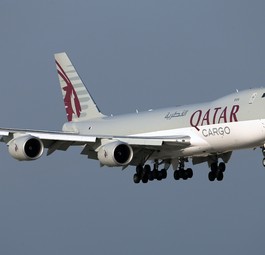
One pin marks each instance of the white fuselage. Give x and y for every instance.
(236, 121)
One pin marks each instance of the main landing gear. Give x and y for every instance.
(145, 174)
(217, 171)
(181, 173)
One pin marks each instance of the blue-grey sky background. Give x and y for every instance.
(131, 55)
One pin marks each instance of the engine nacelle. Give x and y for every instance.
(115, 154)
(26, 147)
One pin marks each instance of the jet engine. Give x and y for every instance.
(26, 147)
(115, 154)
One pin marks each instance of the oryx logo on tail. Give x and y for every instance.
(79, 104)
(70, 94)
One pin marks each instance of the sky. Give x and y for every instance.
(131, 55)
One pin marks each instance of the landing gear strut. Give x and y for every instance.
(181, 173)
(217, 171)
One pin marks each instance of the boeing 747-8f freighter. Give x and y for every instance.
(206, 132)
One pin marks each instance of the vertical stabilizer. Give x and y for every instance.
(79, 104)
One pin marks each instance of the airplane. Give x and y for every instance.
(206, 132)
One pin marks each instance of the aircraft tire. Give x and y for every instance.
(159, 176)
(220, 176)
(214, 167)
(189, 172)
(147, 169)
(164, 173)
(145, 178)
(184, 174)
(139, 169)
(222, 167)
(155, 174)
(176, 175)
(136, 178)
(151, 176)
(211, 176)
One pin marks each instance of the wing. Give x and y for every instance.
(141, 147)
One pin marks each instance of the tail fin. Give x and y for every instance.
(79, 104)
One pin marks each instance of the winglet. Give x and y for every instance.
(79, 105)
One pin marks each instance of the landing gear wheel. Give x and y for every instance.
(145, 178)
(147, 169)
(155, 174)
(214, 166)
(222, 167)
(176, 175)
(136, 178)
(139, 170)
(211, 176)
(159, 176)
(151, 176)
(184, 175)
(220, 176)
(189, 172)
(164, 173)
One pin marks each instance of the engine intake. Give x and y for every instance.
(26, 148)
(115, 154)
